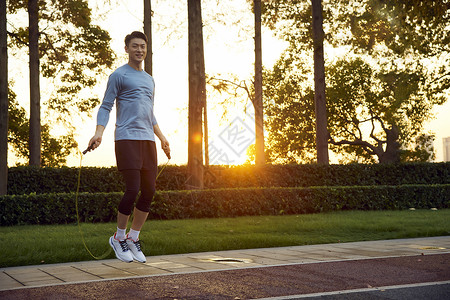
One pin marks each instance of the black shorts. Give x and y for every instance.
(136, 155)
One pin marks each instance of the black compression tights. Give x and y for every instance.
(136, 180)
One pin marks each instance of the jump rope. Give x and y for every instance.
(104, 255)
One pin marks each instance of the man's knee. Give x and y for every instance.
(145, 200)
(127, 202)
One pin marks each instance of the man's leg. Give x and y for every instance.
(139, 218)
(141, 213)
(122, 220)
(148, 189)
(132, 179)
(118, 241)
(132, 183)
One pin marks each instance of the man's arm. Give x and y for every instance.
(111, 92)
(164, 142)
(96, 140)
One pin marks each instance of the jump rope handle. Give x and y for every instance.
(167, 153)
(88, 149)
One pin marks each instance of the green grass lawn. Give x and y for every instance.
(35, 244)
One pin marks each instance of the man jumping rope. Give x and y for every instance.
(133, 90)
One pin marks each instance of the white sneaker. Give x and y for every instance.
(121, 249)
(136, 251)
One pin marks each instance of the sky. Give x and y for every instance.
(229, 49)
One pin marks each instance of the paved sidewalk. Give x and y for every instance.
(45, 275)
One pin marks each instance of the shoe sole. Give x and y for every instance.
(136, 259)
(115, 252)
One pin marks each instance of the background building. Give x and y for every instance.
(446, 142)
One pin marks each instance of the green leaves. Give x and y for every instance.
(73, 53)
(393, 70)
(54, 149)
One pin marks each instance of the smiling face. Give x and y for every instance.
(137, 50)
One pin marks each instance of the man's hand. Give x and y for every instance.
(96, 140)
(166, 148)
(164, 142)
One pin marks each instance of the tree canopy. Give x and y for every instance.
(387, 67)
(73, 52)
(54, 149)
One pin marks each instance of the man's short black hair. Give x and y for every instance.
(134, 35)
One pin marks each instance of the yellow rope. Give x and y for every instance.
(104, 255)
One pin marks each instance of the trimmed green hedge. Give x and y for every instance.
(26, 180)
(101, 207)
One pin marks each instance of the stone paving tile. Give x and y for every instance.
(286, 257)
(331, 256)
(7, 282)
(117, 275)
(283, 251)
(196, 260)
(38, 282)
(247, 260)
(76, 277)
(186, 260)
(92, 265)
(160, 258)
(212, 266)
(244, 265)
(268, 261)
(136, 268)
(291, 256)
(203, 256)
(32, 274)
(267, 254)
(166, 265)
(271, 262)
(68, 273)
(360, 252)
(256, 259)
(371, 253)
(105, 271)
(317, 256)
(183, 270)
(322, 253)
(21, 270)
(352, 252)
(422, 246)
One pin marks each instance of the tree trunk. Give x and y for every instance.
(3, 101)
(35, 105)
(257, 102)
(197, 94)
(148, 32)
(319, 84)
(392, 152)
(205, 130)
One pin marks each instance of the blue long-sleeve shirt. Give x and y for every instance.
(134, 92)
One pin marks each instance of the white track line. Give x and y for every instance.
(381, 288)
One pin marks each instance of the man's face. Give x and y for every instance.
(137, 50)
